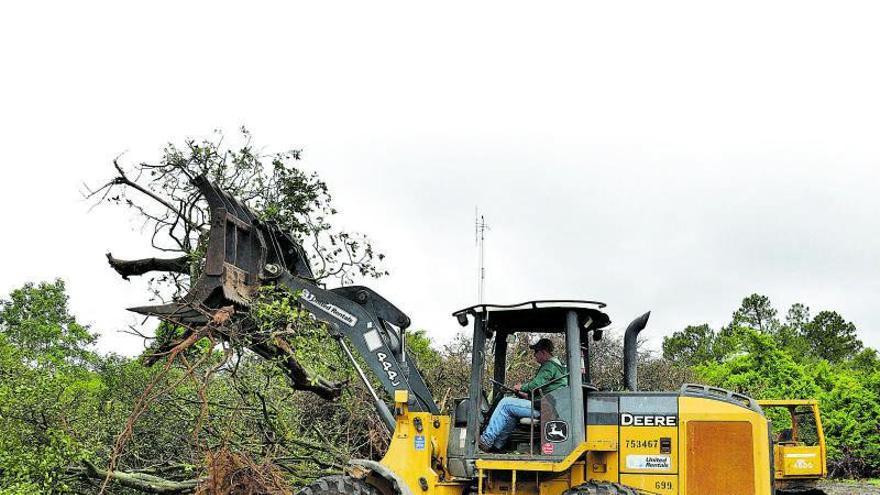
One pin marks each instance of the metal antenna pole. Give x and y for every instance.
(480, 235)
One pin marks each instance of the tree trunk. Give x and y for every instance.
(298, 374)
(128, 268)
(137, 481)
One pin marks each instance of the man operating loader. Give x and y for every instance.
(511, 409)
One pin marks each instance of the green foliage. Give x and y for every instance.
(756, 312)
(691, 346)
(277, 312)
(36, 319)
(850, 415)
(167, 332)
(61, 403)
(797, 317)
(47, 389)
(866, 361)
(763, 370)
(420, 348)
(276, 307)
(831, 337)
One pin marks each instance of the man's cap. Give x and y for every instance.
(542, 345)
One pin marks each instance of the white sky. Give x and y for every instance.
(671, 156)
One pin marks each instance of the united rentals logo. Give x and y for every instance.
(331, 309)
(649, 462)
(627, 419)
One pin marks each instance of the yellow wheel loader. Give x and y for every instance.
(698, 440)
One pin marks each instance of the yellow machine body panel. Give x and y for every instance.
(726, 449)
(799, 461)
(525, 482)
(417, 452)
(603, 464)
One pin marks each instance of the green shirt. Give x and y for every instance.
(549, 371)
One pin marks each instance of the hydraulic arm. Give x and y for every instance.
(244, 253)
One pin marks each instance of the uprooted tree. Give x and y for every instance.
(298, 206)
(174, 212)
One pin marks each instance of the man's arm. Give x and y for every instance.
(541, 377)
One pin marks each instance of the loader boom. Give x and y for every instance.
(245, 253)
(356, 314)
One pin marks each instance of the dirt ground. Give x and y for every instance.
(838, 488)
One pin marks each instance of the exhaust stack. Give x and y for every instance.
(630, 352)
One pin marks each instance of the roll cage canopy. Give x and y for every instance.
(541, 316)
(573, 319)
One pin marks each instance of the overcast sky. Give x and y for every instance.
(664, 156)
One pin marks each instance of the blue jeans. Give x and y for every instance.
(504, 420)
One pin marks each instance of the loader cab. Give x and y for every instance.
(499, 332)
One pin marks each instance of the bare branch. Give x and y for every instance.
(123, 180)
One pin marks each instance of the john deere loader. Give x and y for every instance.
(698, 440)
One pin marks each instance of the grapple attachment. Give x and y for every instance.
(244, 252)
(240, 247)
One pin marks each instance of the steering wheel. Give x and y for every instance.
(495, 400)
(505, 387)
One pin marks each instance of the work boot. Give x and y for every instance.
(485, 447)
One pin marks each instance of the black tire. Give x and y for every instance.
(601, 488)
(802, 491)
(338, 485)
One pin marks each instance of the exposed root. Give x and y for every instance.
(230, 473)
